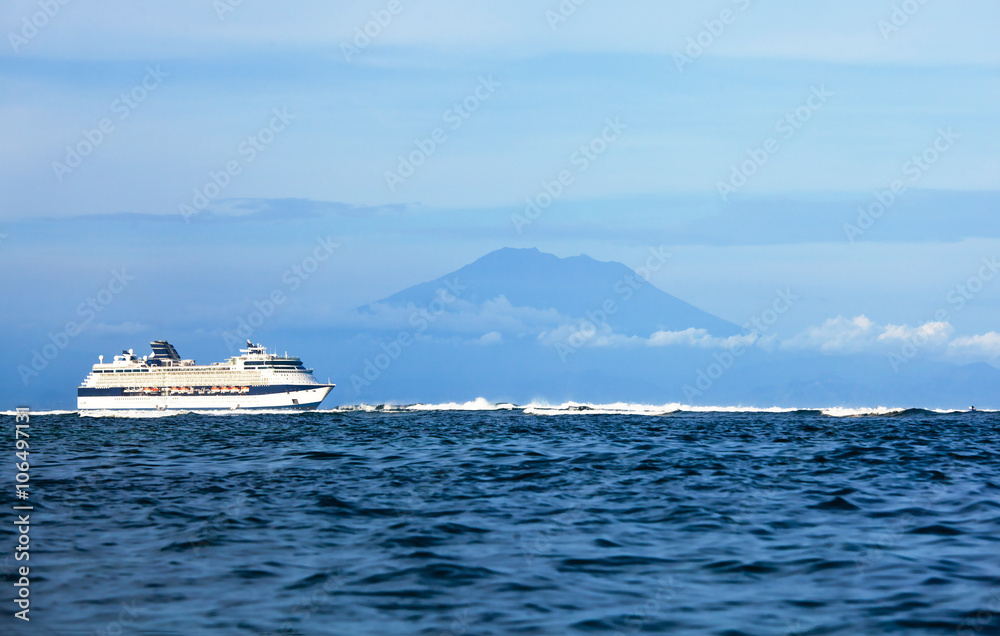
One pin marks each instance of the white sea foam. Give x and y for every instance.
(626, 408)
(839, 411)
(629, 408)
(137, 414)
(479, 404)
(614, 408)
(149, 414)
(533, 408)
(34, 413)
(365, 408)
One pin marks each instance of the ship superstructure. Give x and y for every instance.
(255, 379)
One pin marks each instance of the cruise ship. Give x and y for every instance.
(162, 381)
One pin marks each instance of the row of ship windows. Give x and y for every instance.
(275, 365)
(148, 370)
(188, 370)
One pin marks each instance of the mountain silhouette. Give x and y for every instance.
(577, 287)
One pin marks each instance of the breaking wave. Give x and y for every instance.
(149, 414)
(34, 413)
(534, 408)
(629, 408)
(479, 404)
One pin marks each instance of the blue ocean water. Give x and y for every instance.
(512, 521)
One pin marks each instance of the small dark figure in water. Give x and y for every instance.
(972, 408)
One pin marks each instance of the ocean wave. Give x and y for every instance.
(652, 410)
(34, 413)
(615, 408)
(363, 408)
(535, 408)
(479, 404)
(895, 412)
(841, 411)
(628, 408)
(148, 414)
(419, 493)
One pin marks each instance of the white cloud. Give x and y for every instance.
(935, 333)
(836, 335)
(986, 346)
(862, 335)
(698, 338)
(497, 320)
(492, 337)
(583, 334)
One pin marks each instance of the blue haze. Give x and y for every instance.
(655, 187)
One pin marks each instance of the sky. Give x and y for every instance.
(848, 152)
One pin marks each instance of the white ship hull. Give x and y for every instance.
(308, 398)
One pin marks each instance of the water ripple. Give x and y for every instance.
(538, 520)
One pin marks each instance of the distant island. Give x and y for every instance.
(519, 325)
